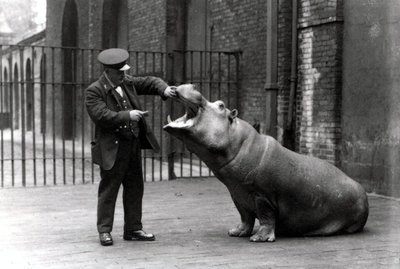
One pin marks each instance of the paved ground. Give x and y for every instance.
(54, 227)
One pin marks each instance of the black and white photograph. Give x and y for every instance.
(179, 134)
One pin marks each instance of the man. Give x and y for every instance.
(120, 134)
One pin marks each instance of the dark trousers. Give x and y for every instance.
(127, 171)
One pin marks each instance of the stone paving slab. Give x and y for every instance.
(54, 227)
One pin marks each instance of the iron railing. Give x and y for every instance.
(45, 131)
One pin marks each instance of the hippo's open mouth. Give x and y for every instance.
(187, 120)
(192, 100)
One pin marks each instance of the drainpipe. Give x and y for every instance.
(271, 78)
(175, 45)
(293, 68)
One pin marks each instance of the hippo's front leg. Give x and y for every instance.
(266, 215)
(246, 227)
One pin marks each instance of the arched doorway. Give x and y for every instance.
(69, 42)
(115, 24)
(16, 96)
(29, 95)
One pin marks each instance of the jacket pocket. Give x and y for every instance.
(96, 153)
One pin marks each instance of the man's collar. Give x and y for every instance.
(106, 82)
(108, 79)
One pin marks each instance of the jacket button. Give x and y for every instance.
(116, 141)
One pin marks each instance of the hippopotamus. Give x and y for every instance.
(289, 193)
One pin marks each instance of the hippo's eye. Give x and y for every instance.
(221, 106)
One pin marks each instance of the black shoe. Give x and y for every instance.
(139, 235)
(105, 239)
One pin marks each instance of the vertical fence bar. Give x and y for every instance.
(2, 87)
(153, 115)
(33, 115)
(23, 119)
(43, 90)
(161, 121)
(201, 89)
(73, 105)
(63, 52)
(91, 123)
(146, 54)
(210, 78)
(183, 146)
(191, 77)
(53, 108)
(83, 113)
(145, 108)
(12, 74)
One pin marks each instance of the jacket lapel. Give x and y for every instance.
(129, 90)
(108, 88)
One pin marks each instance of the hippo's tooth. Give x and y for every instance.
(169, 119)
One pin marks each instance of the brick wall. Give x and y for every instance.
(319, 79)
(241, 25)
(147, 25)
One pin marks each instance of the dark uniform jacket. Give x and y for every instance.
(104, 109)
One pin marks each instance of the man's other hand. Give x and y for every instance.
(170, 91)
(137, 115)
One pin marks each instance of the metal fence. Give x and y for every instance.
(45, 131)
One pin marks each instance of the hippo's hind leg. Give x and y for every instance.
(246, 227)
(266, 215)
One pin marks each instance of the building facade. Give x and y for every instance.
(320, 76)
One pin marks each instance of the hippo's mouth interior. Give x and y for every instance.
(187, 120)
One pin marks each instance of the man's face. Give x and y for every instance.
(116, 76)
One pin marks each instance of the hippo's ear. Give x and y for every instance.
(233, 114)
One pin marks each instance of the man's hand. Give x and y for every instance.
(137, 115)
(170, 91)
